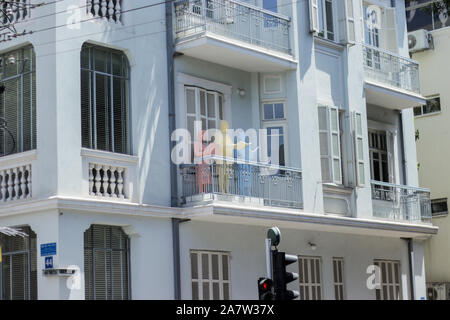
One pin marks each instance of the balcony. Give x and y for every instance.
(391, 81)
(242, 183)
(401, 203)
(234, 34)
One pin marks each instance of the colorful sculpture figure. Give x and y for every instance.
(203, 167)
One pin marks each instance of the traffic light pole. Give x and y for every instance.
(269, 258)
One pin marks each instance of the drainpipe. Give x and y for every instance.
(171, 101)
(176, 256)
(402, 150)
(411, 266)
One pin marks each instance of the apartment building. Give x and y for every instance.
(92, 98)
(431, 27)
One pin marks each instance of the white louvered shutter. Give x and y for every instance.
(314, 16)
(359, 149)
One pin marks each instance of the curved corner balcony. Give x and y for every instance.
(234, 34)
(391, 81)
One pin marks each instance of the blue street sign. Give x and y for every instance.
(48, 262)
(48, 249)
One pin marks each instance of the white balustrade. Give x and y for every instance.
(107, 181)
(109, 10)
(15, 183)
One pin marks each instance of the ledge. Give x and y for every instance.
(18, 159)
(110, 156)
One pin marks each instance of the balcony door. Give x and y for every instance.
(274, 121)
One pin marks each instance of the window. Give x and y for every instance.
(330, 144)
(379, 156)
(439, 207)
(326, 19)
(274, 121)
(18, 101)
(423, 15)
(433, 106)
(310, 274)
(104, 100)
(18, 273)
(333, 20)
(338, 277)
(390, 287)
(380, 28)
(210, 273)
(106, 263)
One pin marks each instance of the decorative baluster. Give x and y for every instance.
(3, 185)
(113, 182)
(89, 7)
(97, 180)
(120, 183)
(96, 8)
(108, 181)
(29, 185)
(23, 182)
(104, 9)
(110, 10)
(91, 179)
(10, 184)
(118, 11)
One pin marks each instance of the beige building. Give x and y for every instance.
(433, 133)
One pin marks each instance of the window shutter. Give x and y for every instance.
(390, 30)
(335, 143)
(359, 149)
(347, 32)
(314, 16)
(324, 133)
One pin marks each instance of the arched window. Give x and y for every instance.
(17, 101)
(104, 99)
(18, 273)
(106, 263)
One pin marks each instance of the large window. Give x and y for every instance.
(380, 155)
(338, 278)
(18, 272)
(106, 263)
(18, 101)
(310, 278)
(210, 274)
(423, 15)
(104, 99)
(390, 286)
(274, 121)
(439, 207)
(326, 19)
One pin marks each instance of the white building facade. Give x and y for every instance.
(93, 95)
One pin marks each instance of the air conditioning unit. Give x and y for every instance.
(438, 291)
(419, 40)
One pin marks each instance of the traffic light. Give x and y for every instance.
(265, 287)
(281, 277)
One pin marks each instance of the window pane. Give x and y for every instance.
(225, 271)
(103, 117)
(203, 103)
(329, 13)
(194, 266)
(190, 101)
(268, 112)
(279, 111)
(211, 105)
(195, 291)
(206, 291)
(216, 291)
(205, 266)
(226, 291)
(215, 266)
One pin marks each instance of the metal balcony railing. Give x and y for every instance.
(244, 182)
(391, 69)
(401, 203)
(232, 19)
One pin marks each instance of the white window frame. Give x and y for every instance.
(386, 284)
(279, 78)
(310, 286)
(339, 281)
(430, 113)
(325, 22)
(221, 281)
(393, 148)
(265, 124)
